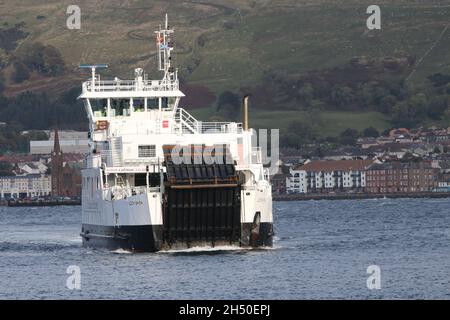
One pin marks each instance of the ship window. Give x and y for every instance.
(152, 103)
(138, 105)
(120, 107)
(164, 102)
(99, 107)
(147, 151)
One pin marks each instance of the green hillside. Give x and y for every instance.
(238, 45)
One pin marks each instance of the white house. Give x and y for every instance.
(31, 185)
(35, 167)
(328, 176)
(296, 183)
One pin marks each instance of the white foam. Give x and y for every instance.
(121, 251)
(215, 249)
(76, 240)
(204, 249)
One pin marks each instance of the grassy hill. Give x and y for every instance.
(233, 44)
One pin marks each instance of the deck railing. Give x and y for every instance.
(188, 124)
(130, 85)
(116, 159)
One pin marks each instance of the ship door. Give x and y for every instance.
(202, 202)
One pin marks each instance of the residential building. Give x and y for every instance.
(328, 176)
(278, 183)
(32, 185)
(35, 167)
(399, 177)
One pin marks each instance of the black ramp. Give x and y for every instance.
(202, 201)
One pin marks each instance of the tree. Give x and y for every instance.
(47, 60)
(387, 103)
(303, 130)
(404, 115)
(21, 72)
(349, 137)
(5, 169)
(342, 96)
(290, 140)
(2, 85)
(438, 79)
(419, 103)
(371, 132)
(229, 105)
(298, 134)
(437, 107)
(306, 94)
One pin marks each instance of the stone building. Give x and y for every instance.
(400, 177)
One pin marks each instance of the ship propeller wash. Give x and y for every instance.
(158, 179)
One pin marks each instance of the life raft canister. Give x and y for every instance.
(102, 125)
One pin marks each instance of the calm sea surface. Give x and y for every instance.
(322, 250)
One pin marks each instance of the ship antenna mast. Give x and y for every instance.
(165, 47)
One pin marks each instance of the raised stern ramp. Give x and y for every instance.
(202, 204)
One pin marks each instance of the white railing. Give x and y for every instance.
(115, 159)
(119, 192)
(189, 124)
(130, 85)
(220, 127)
(186, 121)
(146, 161)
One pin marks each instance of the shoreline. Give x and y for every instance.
(360, 196)
(276, 198)
(40, 203)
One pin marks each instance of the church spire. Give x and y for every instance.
(56, 146)
(57, 167)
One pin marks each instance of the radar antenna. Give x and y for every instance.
(93, 67)
(164, 46)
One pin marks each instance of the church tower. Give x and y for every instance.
(57, 168)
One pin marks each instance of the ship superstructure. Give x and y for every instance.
(157, 178)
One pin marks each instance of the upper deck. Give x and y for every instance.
(130, 88)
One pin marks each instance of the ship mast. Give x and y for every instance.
(165, 47)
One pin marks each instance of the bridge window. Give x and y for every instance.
(99, 107)
(152, 103)
(147, 151)
(164, 102)
(120, 107)
(139, 104)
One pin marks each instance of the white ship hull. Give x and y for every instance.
(175, 216)
(137, 195)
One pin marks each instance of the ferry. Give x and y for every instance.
(156, 178)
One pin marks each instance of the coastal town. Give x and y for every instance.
(400, 163)
(49, 174)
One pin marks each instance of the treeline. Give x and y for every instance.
(35, 111)
(44, 59)
(31, 111)
(364, 84)
(13, 138)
